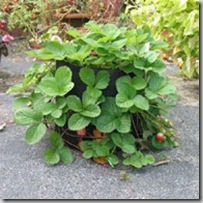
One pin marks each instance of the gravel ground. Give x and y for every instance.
(24, 175)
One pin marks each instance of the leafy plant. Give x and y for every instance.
(35, 18)
(40, 19)
(176, 22)
(124, 119)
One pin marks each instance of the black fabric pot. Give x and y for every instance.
(80, 87)
(69, 136)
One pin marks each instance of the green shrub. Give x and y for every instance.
(176, 22)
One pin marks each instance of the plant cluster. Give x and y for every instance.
(176, 22)
(130, 121)
(33, 17)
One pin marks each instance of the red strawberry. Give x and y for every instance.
(81, 132)
(160, 137)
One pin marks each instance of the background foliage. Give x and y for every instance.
(176, 22)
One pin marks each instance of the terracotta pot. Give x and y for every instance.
(105, 8)
(71, 15)
(74, 19)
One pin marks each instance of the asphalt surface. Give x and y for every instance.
(24, 174)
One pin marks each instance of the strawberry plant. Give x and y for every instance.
(176, 22)
(104, 93)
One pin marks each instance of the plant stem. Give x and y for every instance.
(134, 126)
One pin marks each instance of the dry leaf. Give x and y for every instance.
(99, 135)
(100, 160)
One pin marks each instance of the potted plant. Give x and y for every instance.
(103, 92)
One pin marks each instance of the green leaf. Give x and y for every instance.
(49, 86)
(158, 67)
(91, 96)
(136, 160)
(144, 161)
(51, 156)
(20, 102)
(86, 145)
(57, 113)
(92, 110)
(119, 43)
(61, 103)
(111, 31)
(48, 108)
(128, 139)
(59, 85)
(56, 140)
(63, 75)
(150, 94)
(141, 102)
(122, 82)
(56, 49)
(87, 75)
(136, 164)
(88, 154)
(74, 32)
(102, 151)
(78, 122)
(63, 78)
(139, 63)
(105, 123)
(156, 82)
(123, 100)
(123, 123)
(60, 121)
(150, 159)
(152, 56)
(42, 53)
(102, 79)
(117, 139)
(80, 53)
(158, 45)
(112, 117)
(127, 162)
(35, 133)
(113, 160)
(130, 149)
(66, 155)
(160, 85)
(15, 88)
(74, 103)
(26, 116)
(169, 88)
(139, 83)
